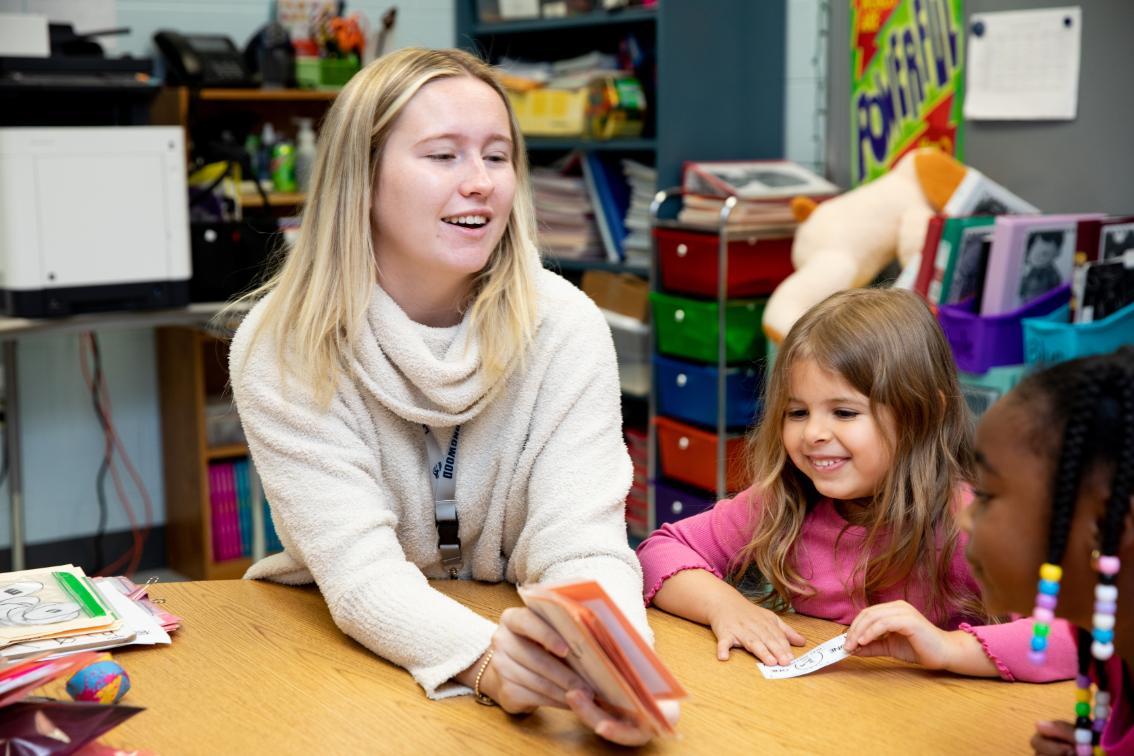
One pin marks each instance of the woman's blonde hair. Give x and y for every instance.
(887, 345)
(321, 290)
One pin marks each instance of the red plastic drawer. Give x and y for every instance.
(689, 263)
(689, 455)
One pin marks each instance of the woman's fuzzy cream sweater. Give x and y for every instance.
(542, 475)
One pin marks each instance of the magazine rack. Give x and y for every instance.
(722, 262)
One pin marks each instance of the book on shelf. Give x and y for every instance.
(628, 678)
(761, 180)
(977, 194)
(962, 258)
(642, 180)
(706, 211)
(564, 214)
(1103, 287)
(1102, 238)
(1030, 255)
(610, 198)
(928, 258)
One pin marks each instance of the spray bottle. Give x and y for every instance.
(304, 153)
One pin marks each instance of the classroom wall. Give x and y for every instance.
(1060, 166)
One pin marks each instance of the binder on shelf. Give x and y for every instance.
(610, 196)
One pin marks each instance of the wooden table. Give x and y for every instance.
(261, 668)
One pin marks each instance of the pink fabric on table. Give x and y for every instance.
(713, 539)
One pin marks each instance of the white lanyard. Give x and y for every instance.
(443, 476)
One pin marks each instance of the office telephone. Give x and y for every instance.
(203, 60)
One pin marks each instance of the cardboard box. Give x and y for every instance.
(623, 293)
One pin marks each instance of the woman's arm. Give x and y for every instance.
(322, 477)
(580, 471)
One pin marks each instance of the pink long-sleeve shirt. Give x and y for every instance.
(712, 540)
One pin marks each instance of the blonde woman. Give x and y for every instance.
(412, 352)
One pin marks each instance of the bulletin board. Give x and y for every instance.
(1060, 166)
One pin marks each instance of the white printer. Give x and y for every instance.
(92, 219)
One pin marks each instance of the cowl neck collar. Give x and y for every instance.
(398, 362)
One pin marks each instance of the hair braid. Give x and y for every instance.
(1118, 505)
(1070, 468)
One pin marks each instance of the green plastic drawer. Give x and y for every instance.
(688, 328)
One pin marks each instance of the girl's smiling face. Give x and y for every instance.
(832, 436)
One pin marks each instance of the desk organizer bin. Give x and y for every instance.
(689, 392)
(980, 343)
(689, 455)
(672, 504)
(689, 263)
(981, 390)
(688, 328)
(1047, 341)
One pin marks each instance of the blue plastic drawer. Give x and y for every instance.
(673, 504)
(688, 391)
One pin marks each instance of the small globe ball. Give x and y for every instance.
(103, 682)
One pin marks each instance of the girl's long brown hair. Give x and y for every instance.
(887, 345)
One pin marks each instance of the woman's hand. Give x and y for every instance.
(738, 623)
(899, 630)
(527, 671)
(1054, 739)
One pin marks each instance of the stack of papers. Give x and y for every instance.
(55, 611)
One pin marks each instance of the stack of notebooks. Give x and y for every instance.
(55, 611)
(764, 189)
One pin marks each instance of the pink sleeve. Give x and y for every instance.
(706, 541)
(1008, 644)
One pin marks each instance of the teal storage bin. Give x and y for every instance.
(688, 328)
(981, 390)
(1046, 341)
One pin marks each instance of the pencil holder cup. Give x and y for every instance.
(983, 342)
(1047, 341)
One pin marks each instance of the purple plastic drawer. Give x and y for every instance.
(673, 504)
(980, 343)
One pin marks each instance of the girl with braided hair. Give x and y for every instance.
(1055, 496)
(860, 464)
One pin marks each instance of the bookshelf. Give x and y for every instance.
(713, 76)
(192, 368)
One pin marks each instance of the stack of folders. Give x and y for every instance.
(627, 676)
(56, 611)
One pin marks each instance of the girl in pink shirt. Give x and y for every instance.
(1055, 496)
(860, 462)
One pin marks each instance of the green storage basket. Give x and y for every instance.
(688, 328)
(324, 73)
